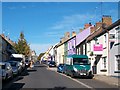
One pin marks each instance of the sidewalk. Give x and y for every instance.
(108, 79)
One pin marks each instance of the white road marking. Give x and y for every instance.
(76, 80)
(71, 78)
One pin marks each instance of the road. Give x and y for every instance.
(41, 77)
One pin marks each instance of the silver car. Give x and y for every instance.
(6, 70)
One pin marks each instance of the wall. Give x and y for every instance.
(60, 54)
(65, 51)
(82, 35)
(113, 60)
(71, 46)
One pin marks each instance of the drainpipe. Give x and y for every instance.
(108, 54)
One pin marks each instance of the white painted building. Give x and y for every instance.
(102, 50)
(60, 53)
(115, 53)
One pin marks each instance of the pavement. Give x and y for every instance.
(107, 79)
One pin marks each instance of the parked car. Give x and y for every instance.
(16, 67)
(27, 62)
(20, 58)
(6, 70)
(48, 62)
(64, 69)
(44, 61)
(60, 68)
(52, 64)
(22, 63)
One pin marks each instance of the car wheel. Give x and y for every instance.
(72, 75)
(11, 76)
(6, 77)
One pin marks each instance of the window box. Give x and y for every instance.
(116, 71)
(103, 70)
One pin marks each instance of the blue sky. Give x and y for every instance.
(44, 23)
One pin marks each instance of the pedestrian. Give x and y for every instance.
(31, 64)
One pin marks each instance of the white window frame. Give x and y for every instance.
(117, 57)
(104, 64)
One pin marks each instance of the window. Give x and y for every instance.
(112, 36)
(111, 44)
(117, 66)
(104, 62)
(80, 61)
(105, 38)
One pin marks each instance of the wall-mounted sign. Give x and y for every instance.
(97, 47)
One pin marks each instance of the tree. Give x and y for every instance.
(40, 55)
(22, 46)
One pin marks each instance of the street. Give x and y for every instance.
(41, 77)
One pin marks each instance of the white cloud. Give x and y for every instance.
(39, 48)
(73, 20)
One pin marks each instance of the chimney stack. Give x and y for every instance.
(73, 33)
(87, 25)
(92, 29)
(107, 20)
(67, 35)
(98, 24)
(81, 30)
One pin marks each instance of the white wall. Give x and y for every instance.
(60, 54)
(115, 50)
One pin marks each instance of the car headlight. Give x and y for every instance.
(75, 69)
(20, 63)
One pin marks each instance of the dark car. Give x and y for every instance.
(5, 70)
(52, 64)
(16, 67)
(64, 69)
(27, 62)
(22, 62)
(60, 68)
(44, 62)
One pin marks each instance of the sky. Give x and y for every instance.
(44, 23)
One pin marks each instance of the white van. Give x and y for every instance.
(20, 58)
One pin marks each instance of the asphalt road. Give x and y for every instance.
(41, 77)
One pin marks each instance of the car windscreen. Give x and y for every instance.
(61, 65)
(16, 59)
(79, 61)
(13, 64)
(26, 60)
(52, 62)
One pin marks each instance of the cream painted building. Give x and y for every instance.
(60, 53)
